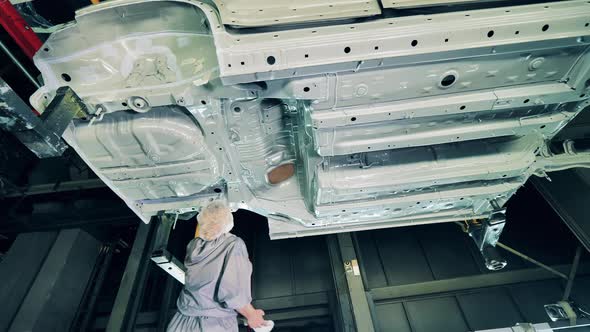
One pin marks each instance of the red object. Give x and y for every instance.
(18, 29)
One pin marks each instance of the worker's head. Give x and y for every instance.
(214, 220)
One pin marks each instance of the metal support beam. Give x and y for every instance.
(355, 312)
(572, 275)
(41, 135)
(568, 193)
(470, 282)
(161, 256)
(130, 291)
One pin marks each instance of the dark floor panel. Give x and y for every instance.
(273, 271)
(531, 297)
(436, 315)
(370, 260)
(489, 309)
(391, 317)
(312, 271)
(402, 256)
(581, 292)
(447, 251)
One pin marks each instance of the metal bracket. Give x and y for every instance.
(160, 255)
(486, 234)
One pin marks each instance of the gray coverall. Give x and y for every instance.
(217, 283)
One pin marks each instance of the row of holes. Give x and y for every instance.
(271, 60)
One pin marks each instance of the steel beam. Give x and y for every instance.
(568, 193)
(60, 283)
(355, 312)
(470, 282)
(123, 314)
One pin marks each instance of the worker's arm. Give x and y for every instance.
(254, 316)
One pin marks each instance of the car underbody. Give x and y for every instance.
(322, 116)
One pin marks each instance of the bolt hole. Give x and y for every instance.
(124, 104)
(353, 119)
(490, 33)
(582, 95)
(46, 49)
(203, 102)
(66, 77)
(542, 127)
(217, 190)
(376, 48)
(271, 60)
(307, 55)
(545, 27)
(448, 80)
(414, 43)
(242, 63)
(446, 40)
(237, 109)
(347, 49)
(526, 101)
(306, 89)
(462, 107)
(516, 32)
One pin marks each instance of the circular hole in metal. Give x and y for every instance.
(66, 77)
(490, 33)
(516, 32)
(124, 104)
(217, 190)
(203, 102)
(414, 43)
(448, 80)
(545, 27)
(526, 101)
(542, 127)
(271, 60)
(462, 107)
(237, 109)
(347, 49)
(306, 89)
(353, 119)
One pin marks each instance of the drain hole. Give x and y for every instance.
(271, 60)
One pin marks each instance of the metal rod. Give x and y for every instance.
(19, 65)
(573, 271)
(527, 258)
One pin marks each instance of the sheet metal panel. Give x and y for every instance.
(449, 258)
(254, 13)
(391, 317)
(435, 315)
(489, 309)
(402, 256)
(402, 4)
(531, 297)
(18, 269)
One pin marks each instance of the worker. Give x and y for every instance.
(217, 278)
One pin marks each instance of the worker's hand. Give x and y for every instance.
(256, 319)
